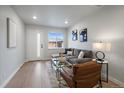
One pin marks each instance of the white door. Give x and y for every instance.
(35, 44)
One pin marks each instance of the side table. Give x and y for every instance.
(106, 69)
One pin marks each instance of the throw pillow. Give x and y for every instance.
(69, 53)
(81, 54)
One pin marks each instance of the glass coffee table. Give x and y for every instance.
(57, 63)
(57, 66)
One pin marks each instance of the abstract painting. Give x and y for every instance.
(83, 35)
(74, 35)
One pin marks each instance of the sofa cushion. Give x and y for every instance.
(68, 49)
(78, 61)
(88, 54)
(76, 52)
(70, 57)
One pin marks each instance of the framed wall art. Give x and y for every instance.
(11, 33)
(74, 35)
(83, 35)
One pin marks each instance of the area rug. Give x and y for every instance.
(55, 84)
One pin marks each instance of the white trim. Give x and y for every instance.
(121, 84)
(10, 77)
(48, 59)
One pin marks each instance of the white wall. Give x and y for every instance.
(10, 58)
(31, 51)
(106, 25)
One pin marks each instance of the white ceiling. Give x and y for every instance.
(54, 15)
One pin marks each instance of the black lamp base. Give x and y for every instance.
(100, 59)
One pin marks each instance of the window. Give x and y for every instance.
(55, 40)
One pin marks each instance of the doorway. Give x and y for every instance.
(35, 45)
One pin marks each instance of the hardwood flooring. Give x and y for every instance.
(31, 75)
(39, 74)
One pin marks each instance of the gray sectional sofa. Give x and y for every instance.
(73, 59)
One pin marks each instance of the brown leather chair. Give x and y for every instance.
(85, 75)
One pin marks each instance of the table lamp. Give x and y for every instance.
(100, 47)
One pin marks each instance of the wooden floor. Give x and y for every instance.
(31, 75)
(39, 74)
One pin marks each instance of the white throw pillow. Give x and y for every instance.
(69, 53)
(81, 54)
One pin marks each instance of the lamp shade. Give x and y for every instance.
(102, 46)
(108, 46)
(98, 46)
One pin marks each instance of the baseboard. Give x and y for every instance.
(10, 77)
(121, 84)
(37, 60)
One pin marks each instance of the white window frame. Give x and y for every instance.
(56, 41)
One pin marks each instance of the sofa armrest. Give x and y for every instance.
(79, 61)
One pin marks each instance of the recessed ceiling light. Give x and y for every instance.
(66, 22)
(34, 17)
